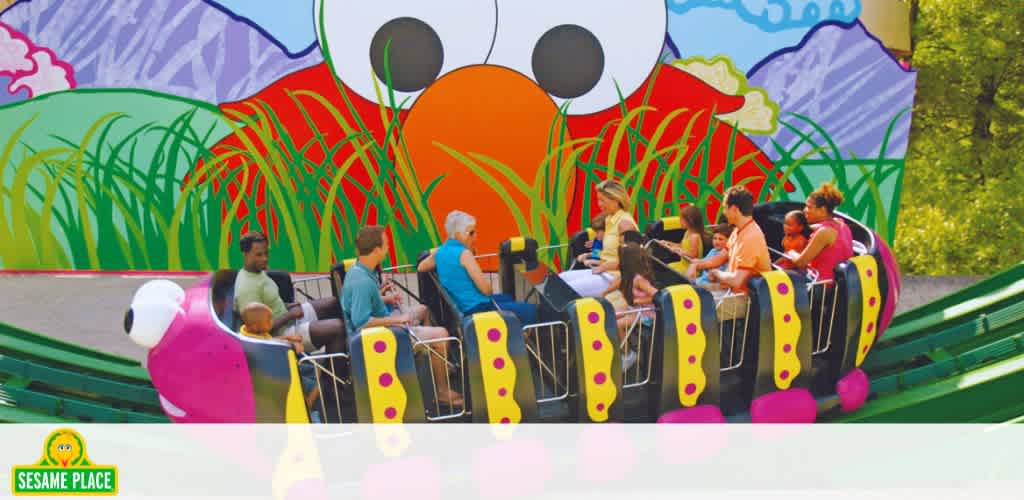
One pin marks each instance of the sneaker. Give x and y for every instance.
(628, 360)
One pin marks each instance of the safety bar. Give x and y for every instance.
(823, 313)
(648, 244)
(325, 364)
(633, 324)
(733, 310)
(551, 359)
(313, 287)
(451, 412)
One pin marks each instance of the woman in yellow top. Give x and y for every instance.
(614, 202)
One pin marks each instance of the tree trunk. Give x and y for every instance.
(981, 133)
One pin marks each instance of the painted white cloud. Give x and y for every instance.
(759, 113)
(32, 68)
(13, 52)
(48, 77)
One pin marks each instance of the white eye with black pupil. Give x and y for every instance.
(423, 41)
(586, 51)
(568, 61)
(408, 49)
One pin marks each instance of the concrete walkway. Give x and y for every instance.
(89, 309)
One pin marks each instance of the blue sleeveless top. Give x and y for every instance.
(455, 279)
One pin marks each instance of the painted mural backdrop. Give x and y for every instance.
(149, 134)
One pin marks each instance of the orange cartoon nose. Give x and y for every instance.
(483, 114)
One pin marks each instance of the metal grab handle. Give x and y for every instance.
(417, 342)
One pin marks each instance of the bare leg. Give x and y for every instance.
(311, 397)
(623, 323)
(329, 308)
(420, 314)
(329, 334)
(438, 365)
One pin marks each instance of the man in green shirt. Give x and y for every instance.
(295, 322)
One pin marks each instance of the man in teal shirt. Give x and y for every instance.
(364, 307)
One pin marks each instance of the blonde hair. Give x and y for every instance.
(254, 310)
(617, 192)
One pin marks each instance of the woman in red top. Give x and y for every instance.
(831, 242)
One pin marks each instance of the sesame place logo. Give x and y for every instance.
(64, 469)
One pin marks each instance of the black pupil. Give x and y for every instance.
(568, 61)
(129, 319)
(415, 54)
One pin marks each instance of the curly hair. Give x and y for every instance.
(249, 239)
(827, 196)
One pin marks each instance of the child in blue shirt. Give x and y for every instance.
(595, 245)
(718, 241)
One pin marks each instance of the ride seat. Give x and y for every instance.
(666, 228)
(285, 287)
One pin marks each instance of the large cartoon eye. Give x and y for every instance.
(155, 306)
(422, 40)
(581, 49)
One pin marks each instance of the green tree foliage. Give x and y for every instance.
(963, 204)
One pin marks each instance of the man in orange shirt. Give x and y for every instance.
(746, 251)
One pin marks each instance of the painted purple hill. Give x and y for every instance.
(842, 78)
(179, 47)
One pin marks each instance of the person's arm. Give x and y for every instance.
(712, 262)
(648, 288)
(475, 273)
(295, 341)
(608, 265)
(820, 240)
(613, 286)
(360, 310)
(671, 246)
(271, 298)
(428, 264)
(289, 315)
(386, 321)
(737, 279)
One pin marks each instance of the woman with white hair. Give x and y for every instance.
(615, 204)
(461, 276)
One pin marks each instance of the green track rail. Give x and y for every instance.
(44, 380)
(958, 359)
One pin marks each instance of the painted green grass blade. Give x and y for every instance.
(327, 220)
(493, 183)
(620, 133)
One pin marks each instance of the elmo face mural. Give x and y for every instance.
(495, 81)
(397, 112)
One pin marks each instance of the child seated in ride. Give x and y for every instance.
(797, 233)
(718, 241)
(595, 245)
(257, 321)
(636, 285)
(692, 246)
